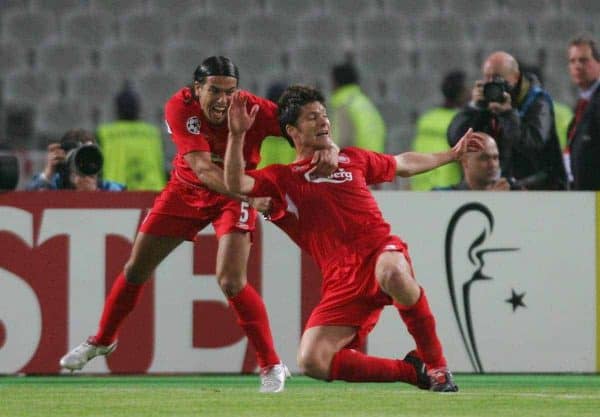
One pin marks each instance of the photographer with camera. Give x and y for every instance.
(73, 163)
(512, 107)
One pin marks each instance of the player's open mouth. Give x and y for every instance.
(321, 134)
(218, 112)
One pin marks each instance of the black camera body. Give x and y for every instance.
(83, 159)
(493, 91)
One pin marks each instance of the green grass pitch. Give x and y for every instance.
(225, 396)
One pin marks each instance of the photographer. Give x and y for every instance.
(512, 107)
(73, 163)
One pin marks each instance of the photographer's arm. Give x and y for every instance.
(531, 132)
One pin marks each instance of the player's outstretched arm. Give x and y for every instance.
(412, 163)
(240, 120)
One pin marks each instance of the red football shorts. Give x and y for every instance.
(182, 211)
(353, 296)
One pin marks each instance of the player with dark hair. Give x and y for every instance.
(337, 220)
(196, 196)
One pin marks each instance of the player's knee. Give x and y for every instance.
(392, 277)
(313, 365)
(231, 284)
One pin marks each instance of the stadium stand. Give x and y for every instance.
(12, 57)
(88, 27)
(145, 27)
(124, 58)
(59, 57)
(62, 51)
(383, 28)
(28, 27)
(57, 115)
(263, 29)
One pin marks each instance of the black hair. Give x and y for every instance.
(344, 74)
(216, 65)
(290, 104)
(127, 104)
(453, 85)
(275, 91)
(74, 138)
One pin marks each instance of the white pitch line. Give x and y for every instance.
(464, 394)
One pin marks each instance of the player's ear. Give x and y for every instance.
(290, 130)
(197, 87)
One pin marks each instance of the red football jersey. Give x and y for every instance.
(331, 218)
(191, 131)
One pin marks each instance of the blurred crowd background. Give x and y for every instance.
(63, 62)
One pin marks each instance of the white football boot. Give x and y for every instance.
(272, 378)
(80, 355)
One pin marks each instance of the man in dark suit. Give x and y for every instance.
(582, 155)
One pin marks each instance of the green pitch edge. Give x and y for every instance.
(597, 282)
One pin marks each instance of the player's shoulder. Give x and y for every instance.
(181, 99)
(350, 153)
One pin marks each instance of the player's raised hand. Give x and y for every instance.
(470, 142)
(239, 119)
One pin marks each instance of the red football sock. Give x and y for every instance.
(252, 317)
(121, 300)
(354, 366)
(421, 325)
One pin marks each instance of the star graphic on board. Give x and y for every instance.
(516, 300)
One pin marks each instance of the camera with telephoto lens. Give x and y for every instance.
(493, 91)
(82, 159)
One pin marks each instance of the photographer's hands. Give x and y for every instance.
(498, 108)
(478, 99)
(56, 156)
(477, 93)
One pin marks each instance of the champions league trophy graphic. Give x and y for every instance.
(460, 294)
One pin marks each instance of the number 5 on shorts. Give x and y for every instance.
(244, 214)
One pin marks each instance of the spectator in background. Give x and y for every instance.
(481, 170)
(431, 133)
(59, 173)
(512, 107)
(355, 121)
(275, 149)
(133, 148)
(582, 155)
(562, 112)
